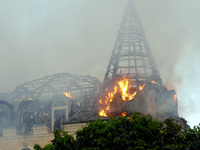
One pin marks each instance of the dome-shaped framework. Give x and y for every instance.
(45, 88)
(83, 90)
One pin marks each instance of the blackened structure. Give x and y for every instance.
(131, 56)
(45, 88)
(42, 101)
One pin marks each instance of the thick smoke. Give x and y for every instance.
(172, 31)
(40, 38)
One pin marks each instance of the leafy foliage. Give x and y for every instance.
(61, 141)
(173, 137)
(192, 137)
(137, 132)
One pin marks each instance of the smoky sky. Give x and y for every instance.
(44, 37)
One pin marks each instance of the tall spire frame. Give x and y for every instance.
(131, 56)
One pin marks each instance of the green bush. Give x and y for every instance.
(138, 132)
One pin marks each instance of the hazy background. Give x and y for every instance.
(43, 37)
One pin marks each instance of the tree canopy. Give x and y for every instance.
(137, 132)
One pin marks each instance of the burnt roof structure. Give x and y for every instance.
(131, 56)
(43, 101)
(45, 88)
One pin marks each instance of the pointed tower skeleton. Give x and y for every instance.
(131, 56)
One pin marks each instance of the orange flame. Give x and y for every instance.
(100, 101)
(102, 113)
(122, 87)
(123, 114)
(68, 95)
(115, 89)
(108, 108)
(132, 96)
(154, 82)
(175, 97)
(141, 87)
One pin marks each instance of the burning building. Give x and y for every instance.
(132, 81)
(66, 101)
(35, 109)
(149, 99)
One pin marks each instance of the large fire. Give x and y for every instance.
(68, 95)
(122, 87)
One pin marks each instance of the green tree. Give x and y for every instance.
(62, 141)
(137, 132)
(173, 135)
(193, 138)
